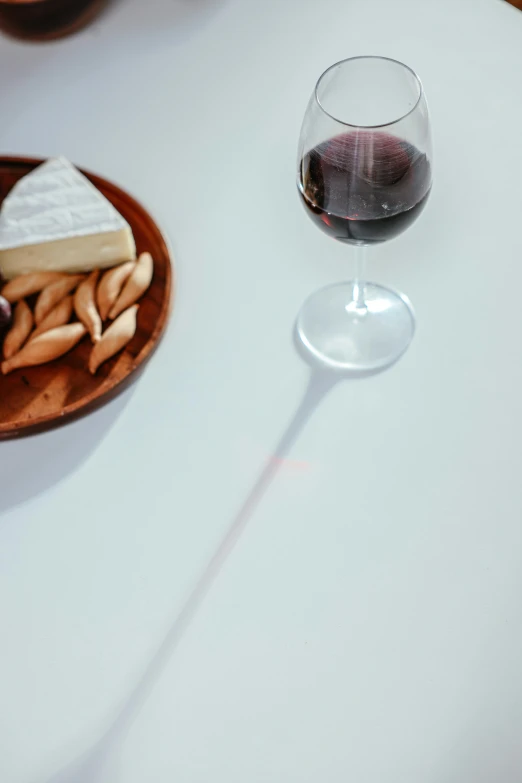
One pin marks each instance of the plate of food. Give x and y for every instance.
(85, 297)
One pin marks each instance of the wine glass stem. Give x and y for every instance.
(359, 281)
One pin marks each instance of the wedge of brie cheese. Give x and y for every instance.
(54, 219)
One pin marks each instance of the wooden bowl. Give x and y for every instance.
(41, 20)
(35, 399)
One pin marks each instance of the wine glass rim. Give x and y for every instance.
(369, 57)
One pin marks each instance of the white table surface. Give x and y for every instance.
(367, 624)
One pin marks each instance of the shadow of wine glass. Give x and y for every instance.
(95, 762)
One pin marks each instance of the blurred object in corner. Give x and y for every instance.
(41, 20)
(516, 3)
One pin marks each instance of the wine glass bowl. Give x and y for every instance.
(364, 175)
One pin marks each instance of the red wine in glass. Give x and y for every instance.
(364, 187)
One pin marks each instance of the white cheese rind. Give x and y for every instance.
(55, 219)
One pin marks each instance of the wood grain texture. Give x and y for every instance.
(46, 20)
(36, 399)
(516, 3)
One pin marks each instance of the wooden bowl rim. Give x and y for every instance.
(23, 2)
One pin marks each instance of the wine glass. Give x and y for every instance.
(364, 175)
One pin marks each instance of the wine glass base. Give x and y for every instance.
(344, 337)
